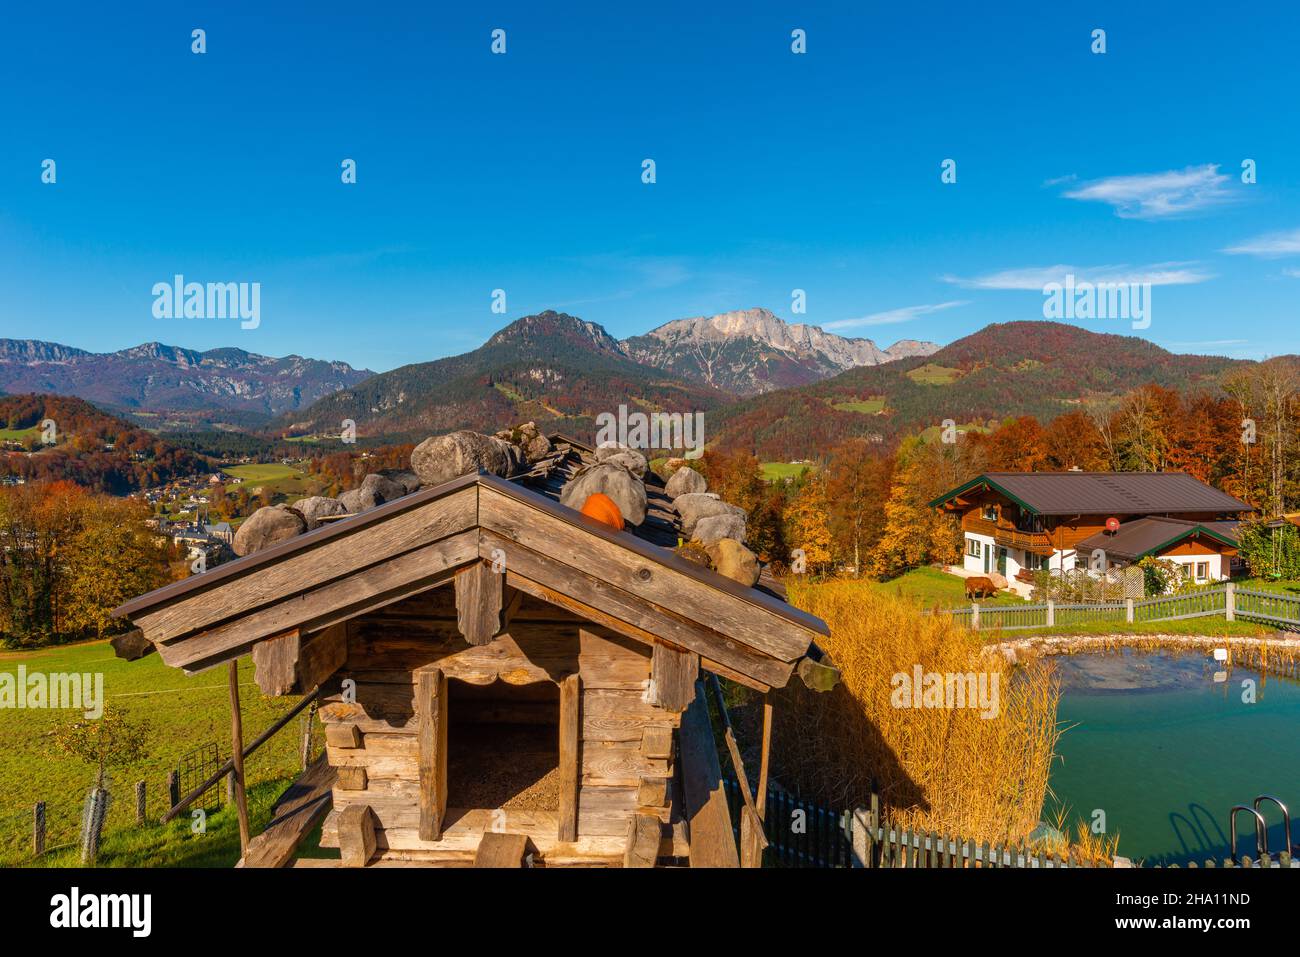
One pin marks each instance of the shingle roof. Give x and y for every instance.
(1104, 493)
(1151, 536)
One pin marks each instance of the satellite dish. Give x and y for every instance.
(1112, 524)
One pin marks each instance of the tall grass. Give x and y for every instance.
(938, 768)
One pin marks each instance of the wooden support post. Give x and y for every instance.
(237, 755)
(712, 842)
(1230, 601)
(140, 798)
(642, 848)
(1128, 609)
(975, 616)
(570, 764)
(304, 747)
(173, 791)
(1051, 613)
(356, 835)
(38, 829)
(760, 799)
(431, 737)
(673, 673)
(480, 597)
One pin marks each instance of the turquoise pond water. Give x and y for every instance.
(1166, 751)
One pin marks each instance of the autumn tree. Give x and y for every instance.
(857, 479)
(808, 524)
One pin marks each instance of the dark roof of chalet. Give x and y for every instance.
(1103, 493)
(539, 486)
(1153, 536)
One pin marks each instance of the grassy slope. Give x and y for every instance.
(183, 713)
(931, 587)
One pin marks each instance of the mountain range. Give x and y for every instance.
(157, 377)
(752, 351)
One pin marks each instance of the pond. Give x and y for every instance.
(1165, 750)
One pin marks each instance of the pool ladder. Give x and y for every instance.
(1261, 827)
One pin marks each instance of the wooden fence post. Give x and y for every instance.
(1128, 609)
(38, 829)
(139, 802)
(975, 616)
(1230, 602)
(173, 789)
(861, 825)
(1051, 612)
(92, 825)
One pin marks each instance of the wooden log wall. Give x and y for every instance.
(625, 754)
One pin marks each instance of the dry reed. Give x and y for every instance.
(938, 768)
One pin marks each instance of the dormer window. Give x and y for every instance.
(990, 513)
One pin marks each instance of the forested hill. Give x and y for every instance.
(1007, 369)
(90, 447)
(551, 368)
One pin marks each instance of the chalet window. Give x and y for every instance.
(973, 547)
(1037, 563)
(989, 513)
(1202, 571)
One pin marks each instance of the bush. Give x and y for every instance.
(1271, 552)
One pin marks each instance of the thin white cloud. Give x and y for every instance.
(1036, 277)
(1060, 180)
(1291, 273)
(1269, 245)
(891, 316)
(1158, 195)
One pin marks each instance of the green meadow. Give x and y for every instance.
(182, 713)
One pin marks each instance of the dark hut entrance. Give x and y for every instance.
(503, 746)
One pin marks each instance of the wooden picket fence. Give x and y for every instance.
(802, 833)
(1228, 600)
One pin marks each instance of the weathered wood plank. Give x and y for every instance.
(666, 587)
(341, 599)
(480, 598)
(314, 567)
(673, 673)
(299, 809)
(629, 615)
(570, 771)
(342, 736)
(431, 710)
(712, 841)
(643, 832)
(499, 849)
(657, 742)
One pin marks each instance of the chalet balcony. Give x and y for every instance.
(1009, 537)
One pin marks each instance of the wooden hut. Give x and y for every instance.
(501, 678)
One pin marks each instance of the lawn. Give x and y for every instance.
(1208, 626)
(183, 713)
(279, 479)
(779, 471)
(866, 406)
(934, 374)
(931, 587)
(18, 435)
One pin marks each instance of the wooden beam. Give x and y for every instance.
(298, 810)
(760, 801)
(275, 663)
(431, 735)
(352, 778)
(480, 598)
(657, 742)
(673, 672)
(652, 792)
(356, 829)
(237, 757)
(643, 831)
(342, 735)
(501, 849)
(712, 842)
(322, 654)
(570, 758)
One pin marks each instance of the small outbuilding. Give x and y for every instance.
(502, 679)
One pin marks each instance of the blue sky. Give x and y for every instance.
(522, 171)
